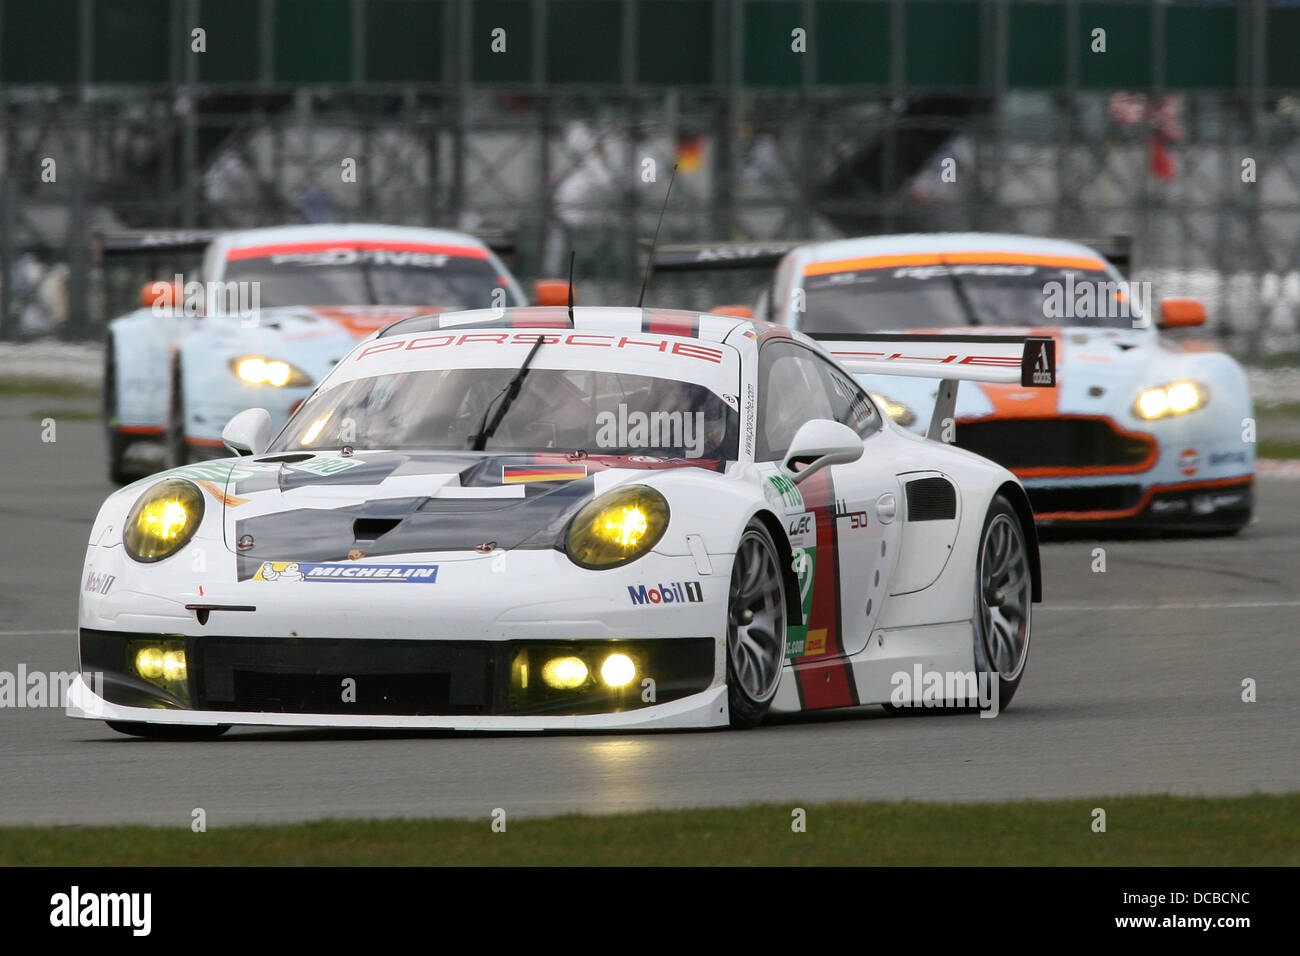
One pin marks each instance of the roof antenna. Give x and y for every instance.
(650, 261)
(572, 255)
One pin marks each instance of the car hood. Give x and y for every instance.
(1099, 371)
(332, 507)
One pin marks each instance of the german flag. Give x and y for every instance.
(518, 474)
(690, 152)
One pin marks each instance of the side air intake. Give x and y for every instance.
(931, 499)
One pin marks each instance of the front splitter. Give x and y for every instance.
(705, 709)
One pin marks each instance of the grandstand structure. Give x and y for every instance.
(1175, 122)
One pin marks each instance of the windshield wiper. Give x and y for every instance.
(967, 307)
(372, 298)
(506, 396)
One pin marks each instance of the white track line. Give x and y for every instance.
(1166, 607)
(1286, 468)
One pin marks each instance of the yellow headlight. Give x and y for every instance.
(256, 370)
(564, 673)
(149, 663)
(174, 665)
(161, 661)
(163, 520)
(618, 670)
(618, 527)
(1175, 399)
(1183, 397)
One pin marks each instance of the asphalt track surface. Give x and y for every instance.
(1133, 686)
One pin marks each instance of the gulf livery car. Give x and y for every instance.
(269, 314)
(545, 519)
(1145, 432)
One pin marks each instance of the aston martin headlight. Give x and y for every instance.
(163, 519)
(895, 410)
(1177, 398)
(617, 527)
(256, 370)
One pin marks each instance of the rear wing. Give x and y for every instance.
(127, 242)
(1117, 250)
(708, 256)
(1027, 360)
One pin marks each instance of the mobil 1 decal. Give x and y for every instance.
(816, 646)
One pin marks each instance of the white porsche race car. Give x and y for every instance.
(544, 518)
(268, 315)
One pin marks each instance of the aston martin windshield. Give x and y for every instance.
(594, 411)
(930, 296)
(345, 276)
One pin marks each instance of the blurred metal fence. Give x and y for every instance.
(1207, 183)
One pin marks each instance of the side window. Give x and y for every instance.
(849, 403)
(793, 390)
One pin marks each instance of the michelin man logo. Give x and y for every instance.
(287, 572)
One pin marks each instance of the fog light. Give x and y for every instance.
(173, 664)
(150, 663)
(161, 662)
(564, 673)
(618, 670)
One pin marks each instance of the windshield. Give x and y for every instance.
(597, 412)
(345, 276)
(930, 296)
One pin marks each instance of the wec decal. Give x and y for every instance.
(365, 573)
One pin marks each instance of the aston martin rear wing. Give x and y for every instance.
(128, 242)
(131, 242)
(708, 256)
(1029, 360)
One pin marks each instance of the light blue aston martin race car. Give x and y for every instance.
(1145, 431)
(270, 313)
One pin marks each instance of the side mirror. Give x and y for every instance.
(1181, 313)
(740, 311)
(552, 292)
(249, 432)
(162, 296)
(819, 443)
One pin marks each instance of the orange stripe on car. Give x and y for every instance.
(349, 245)
(953, 258)
(230, 501)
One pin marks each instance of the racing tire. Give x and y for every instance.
(756, 627)
(168, 731)
(1003, 597)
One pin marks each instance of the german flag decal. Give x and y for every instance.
(517, 474)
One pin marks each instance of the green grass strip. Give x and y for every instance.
(1154, 830)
